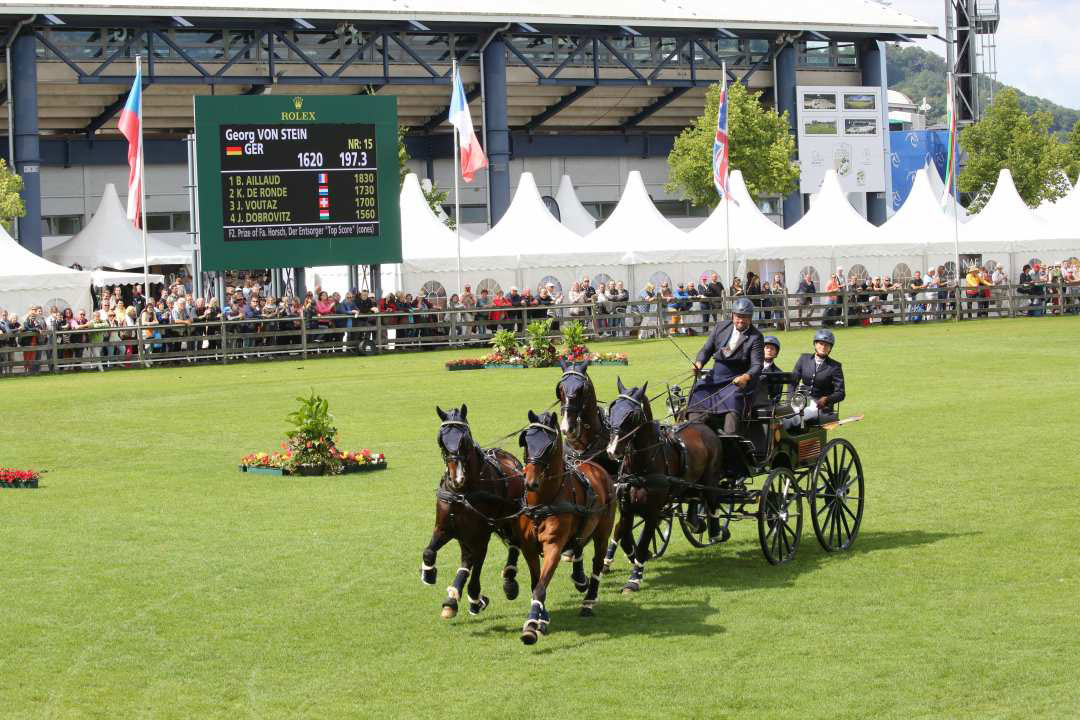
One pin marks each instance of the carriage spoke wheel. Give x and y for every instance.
(693, 519)
(779, 518)
(661, 536)
(836, 496)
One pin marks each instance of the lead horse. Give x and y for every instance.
(566, 506)
(480, 493)
(658, 465)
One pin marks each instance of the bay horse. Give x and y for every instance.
(566, 506)
(585, 433)
(649, 454)
(480, 493)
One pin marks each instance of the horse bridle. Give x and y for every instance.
(572, 373)
(540, 426)
(447, 455)
(640, 409)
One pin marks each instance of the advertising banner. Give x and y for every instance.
(840, 128)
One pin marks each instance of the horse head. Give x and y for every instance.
(456, 443)
(628, 413)
(543, 448)
(577, 398)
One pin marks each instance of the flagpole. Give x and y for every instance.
(727, 188)
(142, 189)
(952, 188)
(457, 191)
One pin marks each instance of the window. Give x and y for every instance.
(1033, 262)
(950, 270)
(901, 273)
(860, 272)
(600, 210)
(168, 222)
(61, 224)
(488, 284)
(680, 209)
(544, 281)
(433, 289)
(809, 270)
(659, 279)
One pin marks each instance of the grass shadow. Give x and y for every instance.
(747, 567)
(614, 618)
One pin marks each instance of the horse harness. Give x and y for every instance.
(572, 472)
(489, 459)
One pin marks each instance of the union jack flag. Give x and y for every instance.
(720, 144)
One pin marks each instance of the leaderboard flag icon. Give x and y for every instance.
(324, 190)
(233, 150)
(324, 178)
(324, 203)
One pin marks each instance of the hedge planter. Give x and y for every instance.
(311, 472)
(484, 364)
(19, 484)
(12, 479)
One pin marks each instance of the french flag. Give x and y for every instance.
(130, 126)
(472, 155)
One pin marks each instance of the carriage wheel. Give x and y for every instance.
(836, 496)
(693, 519)
(661, 536)
(779, 519)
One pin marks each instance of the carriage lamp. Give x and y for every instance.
(798, 402)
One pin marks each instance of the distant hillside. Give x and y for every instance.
(919, 73)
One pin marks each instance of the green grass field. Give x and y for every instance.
(149, 578)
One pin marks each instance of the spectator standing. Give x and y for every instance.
(805, 290)
(148, 320)
(483, 316)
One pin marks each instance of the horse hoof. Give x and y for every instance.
(529, 637)
(605, 569)
(510, 587)
(586, 612)
(478, 607)
(449, 612)
(630, 588)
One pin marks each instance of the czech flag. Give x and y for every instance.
(130, 126)
(472, 155)
(721, 145)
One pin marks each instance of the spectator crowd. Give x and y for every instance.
(124, 328)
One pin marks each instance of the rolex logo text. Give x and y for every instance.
(298, 114)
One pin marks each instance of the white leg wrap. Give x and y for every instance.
(596, 578)
(425, 567)
(453, 593)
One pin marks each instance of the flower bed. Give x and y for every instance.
(311, 448)
(538, 352)
(12, 478)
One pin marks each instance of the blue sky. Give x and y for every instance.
(1036, 44)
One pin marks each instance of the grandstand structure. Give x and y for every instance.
(570, 86)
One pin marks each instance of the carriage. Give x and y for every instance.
(770, 472)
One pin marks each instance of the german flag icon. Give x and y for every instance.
(232, 150)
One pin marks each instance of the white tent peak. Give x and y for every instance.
(423, 235)
(1005, 198)
(635, 225)
(574, 215)
(110, 240)
(527, 228)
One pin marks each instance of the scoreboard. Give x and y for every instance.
(315, 183)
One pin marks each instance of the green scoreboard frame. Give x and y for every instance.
(283, 154)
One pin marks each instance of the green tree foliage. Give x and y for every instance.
(11, 204)
(434, 196)
(1007, 137)
(1072, 148)
(762, 147)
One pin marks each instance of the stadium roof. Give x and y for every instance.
(864, 17)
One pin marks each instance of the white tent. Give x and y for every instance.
(637, 241)
(902, 240)
(810, 244)
(753, 236)
(1004, 228)
(27, 279)
(423, 235)
(572, 213)
(104, 278)
(110, 241)
(937, 185)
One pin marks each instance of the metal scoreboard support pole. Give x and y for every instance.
(193, 215)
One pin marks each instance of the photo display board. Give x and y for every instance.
(840, 128)
(297, 181)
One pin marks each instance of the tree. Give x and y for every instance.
(434, 196)
(1007, 137)
(11, 204)
(1072, 148)
(762, 147)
